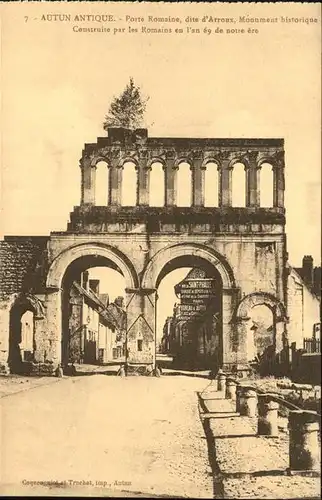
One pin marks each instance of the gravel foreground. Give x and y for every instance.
(106, 436)
(103, 436)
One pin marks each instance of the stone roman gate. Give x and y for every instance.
(244, 246)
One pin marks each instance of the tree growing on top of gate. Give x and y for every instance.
(128, 109)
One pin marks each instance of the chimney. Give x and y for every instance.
(307, 269)
(84, 283)
(94, 285)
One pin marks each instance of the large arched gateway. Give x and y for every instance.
(196, 255)
(67, 267)
(242, 246)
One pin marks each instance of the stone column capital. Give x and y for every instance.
(84, 161)
(170, 163)
(143, 165)
(196, 163)
(252, 157)
(114, 162)
(277, 167)
(143, 154)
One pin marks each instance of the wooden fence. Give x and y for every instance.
(312, 345)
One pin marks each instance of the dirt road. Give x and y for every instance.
(102, 435)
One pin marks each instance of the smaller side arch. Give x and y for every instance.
(211, 182)
(183, 159)
(258, 299)
(211, 159)
(22, 299)
(129, 159)
(130, 176)
(26, 316)
(98, 159)
(157, 183)
(238, 178)
(156, 159)
(184, 182)
(238, 159)
(267, 159)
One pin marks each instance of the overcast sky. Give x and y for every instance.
(57, 86)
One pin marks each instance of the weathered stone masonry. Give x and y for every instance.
(246, 247)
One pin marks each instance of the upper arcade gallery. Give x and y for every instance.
(134, 169)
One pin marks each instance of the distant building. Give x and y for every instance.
(166, 337)
(304, 302)
(97, 329)
(192, 334)
(27, 334)
(310, 275)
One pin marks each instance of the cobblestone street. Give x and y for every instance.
(120, 436)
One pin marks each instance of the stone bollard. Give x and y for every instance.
(221, 382)
(149, 370)
(230, 392)
(267, 416)
(239, 397)
(304, 449)
(219, 373)
(121, 371)
(59, 371)
(248, 402)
